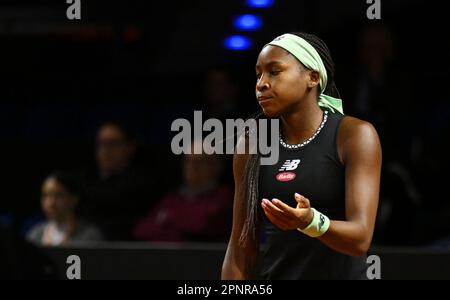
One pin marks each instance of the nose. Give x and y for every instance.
(262, 84)
(49, 201)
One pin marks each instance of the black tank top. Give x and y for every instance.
(315, 172)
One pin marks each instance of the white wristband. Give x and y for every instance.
(318, 226)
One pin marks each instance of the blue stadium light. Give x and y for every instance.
(260, 3)
(237, 42)
(247, 22)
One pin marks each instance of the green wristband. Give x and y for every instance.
(318, 226)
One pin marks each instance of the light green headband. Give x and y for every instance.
(309, 57)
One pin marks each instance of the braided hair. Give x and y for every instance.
(325, 55)
(251, 173)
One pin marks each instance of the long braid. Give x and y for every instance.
(251, 174)
(250, 194)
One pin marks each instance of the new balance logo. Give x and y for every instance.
(322, 221)
(290, 165)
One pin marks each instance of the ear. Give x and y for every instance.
(314, 78)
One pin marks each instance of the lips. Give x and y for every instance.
(263, 99)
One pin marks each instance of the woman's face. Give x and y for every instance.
(282, 81)
(56, 202)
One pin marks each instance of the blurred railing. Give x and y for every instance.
(203, 261)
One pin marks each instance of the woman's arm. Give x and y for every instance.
(360, 152)
(240, 259)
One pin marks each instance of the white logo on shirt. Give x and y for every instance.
(290, 165)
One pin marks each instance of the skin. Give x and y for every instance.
(114, 152)
(200, 170)
(286, 89)
(58, 205)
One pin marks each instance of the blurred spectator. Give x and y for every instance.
(59, 199)
(221, 94)
(382, 94)
(382, 90)
(118, 189)
(199, 211)
(375, 55)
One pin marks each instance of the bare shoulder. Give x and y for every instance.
(355, 137)
(352, 127)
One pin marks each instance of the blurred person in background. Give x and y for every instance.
(61, 193)
(200, 210)
(221, 94)
(117, 190)
(381, 89)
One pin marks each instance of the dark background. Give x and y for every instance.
(144, 62)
